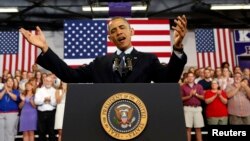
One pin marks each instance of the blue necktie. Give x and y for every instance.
(122, 63)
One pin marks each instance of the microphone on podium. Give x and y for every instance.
(116, 63)
(128, 62)
(125, 69)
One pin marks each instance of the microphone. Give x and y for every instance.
(125, 70)
(128, 61)
(116, 63)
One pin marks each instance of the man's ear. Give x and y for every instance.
(132, 31)
(110, 38)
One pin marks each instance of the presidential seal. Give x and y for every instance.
(124, 116)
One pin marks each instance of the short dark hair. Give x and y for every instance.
(118, 17)
(223, 64)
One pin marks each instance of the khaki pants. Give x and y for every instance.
(217, 120)
(236, 120)
(8, 126)
(193, 117)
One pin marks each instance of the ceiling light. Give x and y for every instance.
(87, 8)
(230, 7)
(8, 9)
(133, 8)
(138, 8)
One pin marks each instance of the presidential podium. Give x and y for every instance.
(140, 112)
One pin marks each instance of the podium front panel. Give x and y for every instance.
(163, 102)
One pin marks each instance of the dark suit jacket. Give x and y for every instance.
(146, 68)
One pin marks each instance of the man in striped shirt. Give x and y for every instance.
(238, 95)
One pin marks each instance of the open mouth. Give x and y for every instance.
(121, 39)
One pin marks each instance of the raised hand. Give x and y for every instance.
(5, 88)
(219, 92)
(243, 84)
(37, 40)
(22, 97)
(180, 30)
(193, 92)
(47, 99)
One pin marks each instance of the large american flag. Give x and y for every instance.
(86, 39)
(214, 46)
(15, 52)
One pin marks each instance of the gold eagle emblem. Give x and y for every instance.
(124, 115)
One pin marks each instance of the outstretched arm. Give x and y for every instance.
(50, 61)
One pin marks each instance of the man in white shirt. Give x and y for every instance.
(46, 104)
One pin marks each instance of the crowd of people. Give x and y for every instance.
(215, 97)
(30, 103)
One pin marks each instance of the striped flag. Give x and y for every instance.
(214, 46)
(22, 58)
(86, 39)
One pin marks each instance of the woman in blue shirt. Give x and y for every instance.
(9, 99)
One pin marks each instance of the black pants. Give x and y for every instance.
(46, 121)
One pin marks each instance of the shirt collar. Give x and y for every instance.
(191, 85)
(128, 51)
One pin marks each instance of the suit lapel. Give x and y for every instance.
(135, 57)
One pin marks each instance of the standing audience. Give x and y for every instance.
(226, 99)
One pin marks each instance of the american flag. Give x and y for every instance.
(15, 52)
(214, 46)
(86, 39)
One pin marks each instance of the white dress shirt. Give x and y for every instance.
(40, 95)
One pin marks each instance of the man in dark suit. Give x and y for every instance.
(126, 65)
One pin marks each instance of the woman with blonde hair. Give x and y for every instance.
(60, 99)
(28, 116)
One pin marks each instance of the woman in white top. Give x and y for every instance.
(60, 99)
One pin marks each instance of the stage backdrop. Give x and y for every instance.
(55, 40)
